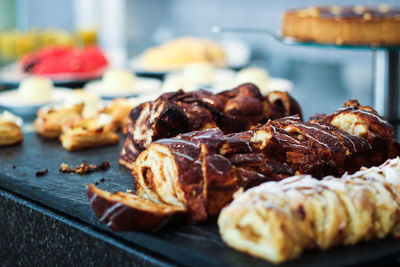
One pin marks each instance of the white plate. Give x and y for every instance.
(237, 56)
(143, 86)
(11, 101)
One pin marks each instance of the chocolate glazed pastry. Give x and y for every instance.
(198, 172)
(179, 112)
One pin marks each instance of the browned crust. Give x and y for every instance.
(10, 133)
(125, 211)
(49, 124)
(78, 141)
(367, 28)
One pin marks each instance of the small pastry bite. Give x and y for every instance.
(10, 129)
(257, 76)
(36, 89)
(118, 81)
(51, 118)
(119, 111)
(87, 133)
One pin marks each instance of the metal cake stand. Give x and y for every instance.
(385, 68)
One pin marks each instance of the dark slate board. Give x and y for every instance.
(185, 244)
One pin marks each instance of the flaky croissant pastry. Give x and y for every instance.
(276, 221)
(87, 133)
(49, 121)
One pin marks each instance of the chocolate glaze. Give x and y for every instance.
(179, 112)
(211, 165)
(210, 161)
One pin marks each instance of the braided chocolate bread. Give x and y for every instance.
(198, 172)
(179, 112)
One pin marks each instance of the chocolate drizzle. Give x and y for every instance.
(173, 113)
(211, 161)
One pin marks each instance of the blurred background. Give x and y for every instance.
(323, 78)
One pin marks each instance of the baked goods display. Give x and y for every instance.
(199, 171)
(277, 184)
(176, 53)
(10, 129)
(179, 112)
(277, 221)
(357, 25)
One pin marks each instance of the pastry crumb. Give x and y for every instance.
(85, 168)
(42, 173)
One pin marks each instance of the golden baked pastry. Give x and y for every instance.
(119, 111)
(49, 121)
(357, 25)
(276, 221)
(10, 131)
(87, 133)
(177, 53)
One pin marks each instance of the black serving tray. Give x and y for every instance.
(198, 245)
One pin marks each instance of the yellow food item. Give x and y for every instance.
(89, 133)
(177, 53)
(49, 119)
(10, 129)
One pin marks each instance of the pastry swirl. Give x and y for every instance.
(277, 221)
